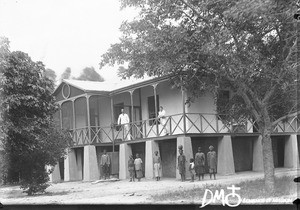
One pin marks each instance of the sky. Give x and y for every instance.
(64, 33)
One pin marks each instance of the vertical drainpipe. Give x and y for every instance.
(60, 115)
(155, 104)
(140, 112)
(88, 117)
(140, 101)
(112, 120)
(74, 123)
(183, 109)
(131, 104)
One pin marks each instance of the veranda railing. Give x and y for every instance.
(174, 125)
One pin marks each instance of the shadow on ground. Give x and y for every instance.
(21, 194)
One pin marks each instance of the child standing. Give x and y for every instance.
(181, 163)
(138, 167)
(192, 169)
(131, 168)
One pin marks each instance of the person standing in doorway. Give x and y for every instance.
(138, 167)
(212, 162)
(124, 121)
(181, 164)
(157, 166)
(105, 164)
(131, 168)
(163, 120)
(200, 163)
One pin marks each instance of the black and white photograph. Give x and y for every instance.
(149, 102)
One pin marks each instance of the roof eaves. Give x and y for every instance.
(140, 84)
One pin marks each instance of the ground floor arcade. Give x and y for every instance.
(235, 154)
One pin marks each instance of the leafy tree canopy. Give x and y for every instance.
(246, 46)
(66, 74)
(49, 73)
(89, 74)
(31, 140)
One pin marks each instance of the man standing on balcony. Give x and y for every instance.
(124, 121)
(162, 119)
(105, 164)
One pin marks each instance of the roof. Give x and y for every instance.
(107, 87)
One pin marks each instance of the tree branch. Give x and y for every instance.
(250, 105)
(284, 117)
(281, 74)
(194, 10)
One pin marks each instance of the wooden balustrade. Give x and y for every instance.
(199, 123)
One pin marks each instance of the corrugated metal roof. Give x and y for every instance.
(108, 86)
(102, 86)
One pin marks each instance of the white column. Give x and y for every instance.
(257, 164)
(90, 164)
(124, 152)
(151, 147)
(291, 155)
(225, 156)
(70, 170)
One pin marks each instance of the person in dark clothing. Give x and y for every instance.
(105, 164)
(131, 168)
(200, 163)
(181, 164)
(212, 162)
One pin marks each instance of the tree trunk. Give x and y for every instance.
(268, 161)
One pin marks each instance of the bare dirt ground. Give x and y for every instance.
(125, 192)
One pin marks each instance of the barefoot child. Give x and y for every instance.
(181, 164)
(192, 169)
(138, 167)
(131, 168)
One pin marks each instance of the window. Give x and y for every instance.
(222, 101)
(151, 108)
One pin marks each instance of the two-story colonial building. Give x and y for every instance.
(89, 110)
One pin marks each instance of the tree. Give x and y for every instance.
(66, 74)
(248, 47)
(89, 74)
(49, 73)
(31, 139)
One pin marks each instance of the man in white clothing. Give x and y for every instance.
(163, 120)
(124, 121)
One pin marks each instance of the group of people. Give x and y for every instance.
(197, 165)
(123, 120)
(135, 167)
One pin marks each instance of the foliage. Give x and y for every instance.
(66, 74)
(247, 47)
(31, 140)
(89, 74)
(49, 73)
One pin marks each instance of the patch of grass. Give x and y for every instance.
(253, 189)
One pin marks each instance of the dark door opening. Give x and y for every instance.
(167, 150)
